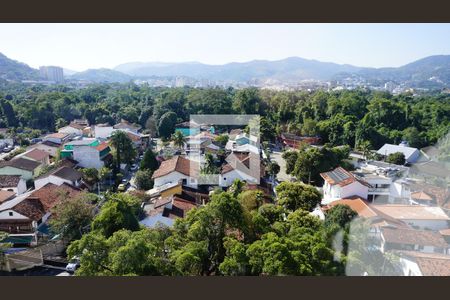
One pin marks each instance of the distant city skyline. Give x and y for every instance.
(88, 46)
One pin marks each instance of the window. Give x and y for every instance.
(10, 190)
(225, 179)
(10, 213)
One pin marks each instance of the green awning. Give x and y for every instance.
(26, 239)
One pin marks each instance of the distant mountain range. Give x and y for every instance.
(16, 71)
(101, 75)
(431, 71)
(289, 69)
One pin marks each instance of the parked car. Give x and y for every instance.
(8, 149)
(35, 140)
(134, 167)
(122, 187)
(73, 264)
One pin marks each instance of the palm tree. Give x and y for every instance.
(210, 166)
(365, 147)
(178, 139)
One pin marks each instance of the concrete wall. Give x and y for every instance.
(87, 156)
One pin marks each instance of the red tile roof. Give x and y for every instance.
(421, 196)
(6, 195)
(102, 146)
(8, 181)
(21, 163)
(31, 208)
(178, 164)
(50, 194)
(37, 154)
(413, 237)
(57, 135)
(358, 205)
(430, 264)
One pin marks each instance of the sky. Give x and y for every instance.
(84, 46)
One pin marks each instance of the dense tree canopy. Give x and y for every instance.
(340, 118)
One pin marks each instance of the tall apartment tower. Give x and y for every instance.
(51, 73)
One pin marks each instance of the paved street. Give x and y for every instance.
(282, 176)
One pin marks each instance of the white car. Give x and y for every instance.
(73, 264)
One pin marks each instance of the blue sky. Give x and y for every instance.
(83, 46)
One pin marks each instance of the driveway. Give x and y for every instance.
(276, 157)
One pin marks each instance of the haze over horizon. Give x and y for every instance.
(87, 46)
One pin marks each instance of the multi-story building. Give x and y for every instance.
(89, 152)
(52, 73)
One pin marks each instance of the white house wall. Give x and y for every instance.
(174, 177)
(409, 267)
(87, 157)
(228, 178)
(4, 215)
(39, 183)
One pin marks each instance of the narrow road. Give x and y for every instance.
(276, 157)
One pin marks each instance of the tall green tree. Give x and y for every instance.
(123, 146)
(72, 217)
(149, 161)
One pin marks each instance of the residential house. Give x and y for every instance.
(294, 141)
(103, 131)
(50, 147)
(430, 170)
(244, 166)
(59, 176)
(176, 169)
(212, 149)
(188, 128)
(140, 141)
(412, 240)
(388, 181)
(58, 138)
(20, 166)
(357, 204)
(416, 216)
(243, 138)
(440, 195)
(198, 196)
(415, 263)
(411, 154)
(40, 156)
(13, 183)
(22, 216)
(422, 198)
(340, 183)
(164, 210)
(127, 126)
(6, 196)
(73, 129)
(234, 133)
(88, 152)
